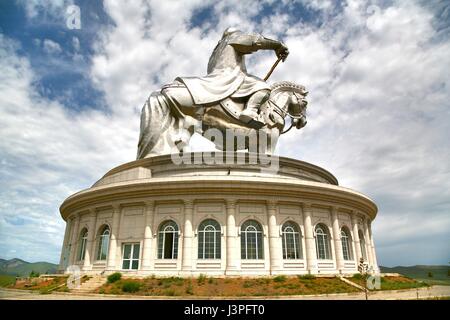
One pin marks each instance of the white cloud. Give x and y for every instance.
(47, 153)
(51, 46)
(379, 116)
(76, 43)
(45, 11)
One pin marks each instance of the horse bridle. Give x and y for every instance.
(283, 114)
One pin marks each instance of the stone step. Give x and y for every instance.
(90, 285)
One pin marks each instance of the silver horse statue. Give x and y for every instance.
(226, 100)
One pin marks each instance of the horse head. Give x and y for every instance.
(288, 99)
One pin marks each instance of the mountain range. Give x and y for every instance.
(19, 267)
(421, 272)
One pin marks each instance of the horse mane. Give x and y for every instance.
(283, 86)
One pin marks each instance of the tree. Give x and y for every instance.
(34, 274)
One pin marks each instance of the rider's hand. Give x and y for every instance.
(282, 52)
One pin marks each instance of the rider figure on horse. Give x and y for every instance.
(227, 76)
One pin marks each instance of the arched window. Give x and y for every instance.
(292, 246)
(251, 240)
(323, 246)
(168, 240)
(362, 244)
(346, 244)
(209, 240)
(82, 244)
(103, 243)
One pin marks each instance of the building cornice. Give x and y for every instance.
(201, 186)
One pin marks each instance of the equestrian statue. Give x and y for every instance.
(226, 99)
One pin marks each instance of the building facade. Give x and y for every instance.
(153, 216)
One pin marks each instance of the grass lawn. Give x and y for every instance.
(206, 286)
(433, 282)
(392, 283)
(7, 280)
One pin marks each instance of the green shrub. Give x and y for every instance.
(169, 292)
(190, 289)
(358, 276)
(306, 277)
(430, 274)
(201, 279)
(114, 277)
(130, 286)
(280, 278)
(178, 281)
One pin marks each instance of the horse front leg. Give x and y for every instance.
(267, 141)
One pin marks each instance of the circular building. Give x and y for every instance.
(218, 214)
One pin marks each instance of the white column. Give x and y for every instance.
(367, 243)
(372, 244)
(74, 241)
(356, 243)
(147, 257)
(337, 241)
(232, 238)
(90, 245)
(64, 245)
(112, 253)
(275, 245)
(187, 236)
(154, 242)
(311, 257)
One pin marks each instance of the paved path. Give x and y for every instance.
(430, 292)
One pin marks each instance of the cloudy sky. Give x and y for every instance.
(379, 112)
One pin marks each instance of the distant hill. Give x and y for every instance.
(19, 267)
(439, 273)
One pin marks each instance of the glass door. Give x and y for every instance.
(130, 260)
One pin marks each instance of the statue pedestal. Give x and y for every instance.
(220, 214)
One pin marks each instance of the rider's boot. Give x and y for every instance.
(250, 113)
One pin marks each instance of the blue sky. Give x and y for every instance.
(379, 116)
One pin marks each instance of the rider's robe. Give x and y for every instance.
(227, 75)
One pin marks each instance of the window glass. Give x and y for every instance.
(291, 243)
(168, 240)
(252, 246)
(209, 240)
